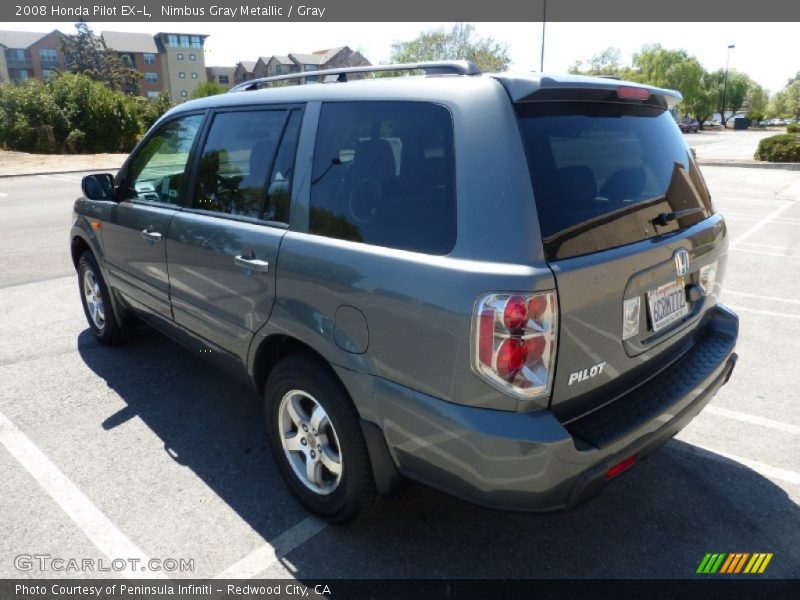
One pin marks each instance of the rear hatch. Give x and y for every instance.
(627, 222)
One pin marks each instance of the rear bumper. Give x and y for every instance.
(531, 461)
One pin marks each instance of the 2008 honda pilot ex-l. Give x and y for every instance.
(502, 286)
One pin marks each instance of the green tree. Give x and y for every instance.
(459, 43)
(793, 99)
(608, 62)
(85, 53)
(778, 106)
(208, 88)
(756, 99)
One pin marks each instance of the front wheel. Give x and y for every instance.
(96, 300)
(316, 440)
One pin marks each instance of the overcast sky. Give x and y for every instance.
(768, 52)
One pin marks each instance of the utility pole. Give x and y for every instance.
(725, 84)
(544, 20)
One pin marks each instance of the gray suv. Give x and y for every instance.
(502, 286)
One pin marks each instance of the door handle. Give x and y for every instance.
(252, 264)
(151, 236)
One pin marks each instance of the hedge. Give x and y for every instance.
(72, 113)
(793, 128)
(779, 148)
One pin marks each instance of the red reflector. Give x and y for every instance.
(620, 467)
(515, 314)
(486, 340)
(633, 93)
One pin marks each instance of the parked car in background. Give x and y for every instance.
(502, 286)
(689, 125)
(712, 125)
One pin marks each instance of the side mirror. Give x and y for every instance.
(99, 186)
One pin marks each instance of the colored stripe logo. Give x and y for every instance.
(734, 562)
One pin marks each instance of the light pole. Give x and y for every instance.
(544, 20)
(725, 83)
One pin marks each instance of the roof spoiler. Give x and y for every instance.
(541, 88)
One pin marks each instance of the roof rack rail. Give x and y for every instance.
(444, 67)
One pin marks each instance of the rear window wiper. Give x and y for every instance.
(667, 217)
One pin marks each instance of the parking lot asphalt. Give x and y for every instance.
(142, 451)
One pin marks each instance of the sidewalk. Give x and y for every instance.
(16, 164)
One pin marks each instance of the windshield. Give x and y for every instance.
(606, 174)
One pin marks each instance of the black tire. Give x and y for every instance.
(355, 495)
(108, 332)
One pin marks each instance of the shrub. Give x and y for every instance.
(779, 148)
(793, 128)
(73, 113)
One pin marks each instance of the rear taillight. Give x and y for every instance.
(514, 342)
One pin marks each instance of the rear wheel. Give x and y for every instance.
(316, 440)
(96, 301)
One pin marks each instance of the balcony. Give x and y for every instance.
(48, 63)
(19, 63)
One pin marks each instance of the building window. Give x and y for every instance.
(153, 94)
(184, 41)
(46, 55)
(47, 73)
(311, 67)
(149, 59)
(194, 75)
(180, 56)
(183, 93)
(172, 40)
(196, 42)
(223, 79)
(192, 57)
(181, 75)
(151, 77)
(279, 69)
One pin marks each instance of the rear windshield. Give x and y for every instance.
(606, 174)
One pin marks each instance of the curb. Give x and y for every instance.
(748, 164)
(63, 172)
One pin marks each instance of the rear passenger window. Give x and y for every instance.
(384, 175)
(245, 167)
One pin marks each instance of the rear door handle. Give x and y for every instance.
(252, 264)
(151, 236)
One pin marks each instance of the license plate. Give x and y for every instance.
(667, 304)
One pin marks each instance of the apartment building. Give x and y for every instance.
(183, 62)
(30, 55)
(222, 76)
(172, 62)
(269, 66)
(140, 51)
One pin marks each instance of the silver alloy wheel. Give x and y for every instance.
(94, 299)
(310, 442)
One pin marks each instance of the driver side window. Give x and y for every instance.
(156, 171)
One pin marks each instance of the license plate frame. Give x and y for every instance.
(667, 304)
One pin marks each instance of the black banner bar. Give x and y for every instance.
(398, 10)
(341, 589)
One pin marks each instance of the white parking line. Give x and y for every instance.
(261, 559)
(760, 245)
(765, 253)
(763, 469)
(97, 527)
(754, 229)
(760, 297)
(752, 419)
(758, 311)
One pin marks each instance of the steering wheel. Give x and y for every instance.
(364, 199)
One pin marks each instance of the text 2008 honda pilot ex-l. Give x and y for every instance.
(502, 286)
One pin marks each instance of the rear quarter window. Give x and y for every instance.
(384, 175)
